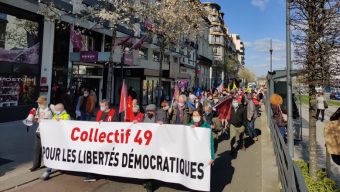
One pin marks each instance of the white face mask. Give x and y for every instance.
(57, 112)
(196, 119)
(102, 108)
(181, 104)
(166, 108)
(41, 106)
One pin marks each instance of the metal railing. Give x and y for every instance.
(289, 174)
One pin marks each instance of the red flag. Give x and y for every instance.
(139, 44)
(128, 114)
(223, 108)
(123, 98)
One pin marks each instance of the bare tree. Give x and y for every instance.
(316, 39)
(175, 22)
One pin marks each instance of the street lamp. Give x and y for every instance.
(289, 82)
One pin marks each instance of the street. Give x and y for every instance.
(228, 174)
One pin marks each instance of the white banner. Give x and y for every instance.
(170, 153)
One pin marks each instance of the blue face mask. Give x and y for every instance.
(235, 104)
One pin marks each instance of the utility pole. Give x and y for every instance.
(289, 83)
(271, 55)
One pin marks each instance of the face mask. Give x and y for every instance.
(85, 95)
(166, 108)
(102, 108)
(196, 119)
(215, 100)
(150, 115)
(235, 104)
(42, 106)
(181, 104)
(207, 113)
(57, 112)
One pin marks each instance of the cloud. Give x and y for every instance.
(260, 4)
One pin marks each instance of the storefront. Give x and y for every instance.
(20, 61)
(144, 82)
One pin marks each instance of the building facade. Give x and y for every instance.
(57, 58)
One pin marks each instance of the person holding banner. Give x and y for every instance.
(43, 112)
(150, 116)
(179, 113)
(105, 114)
(163, 113)
(60, 114)
(198, 121)
(136, 116)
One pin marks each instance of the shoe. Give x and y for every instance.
(45, 176)
(34, 169)
(90, 179)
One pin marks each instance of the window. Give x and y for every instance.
(166, 59)
(143, 53)
(88, 43)
(176, 59)
(19, 57)
(156, 56)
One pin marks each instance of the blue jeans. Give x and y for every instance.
(282, 130)
(251, 128)
(85, 116)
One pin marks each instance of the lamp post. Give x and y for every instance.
(289, 83)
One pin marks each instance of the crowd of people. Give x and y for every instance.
(223, 111)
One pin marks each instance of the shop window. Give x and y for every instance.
(17, 90)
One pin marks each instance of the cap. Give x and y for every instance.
(151, 107)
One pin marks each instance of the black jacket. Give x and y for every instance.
(238, 117)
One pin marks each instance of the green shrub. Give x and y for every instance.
(322, 184)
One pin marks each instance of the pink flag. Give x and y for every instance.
(76, 39)
(123, 98)
(176, 94)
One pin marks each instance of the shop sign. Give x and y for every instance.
(128, 58)
(89, 56)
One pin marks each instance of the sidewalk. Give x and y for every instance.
(301, 151)
(16, 155)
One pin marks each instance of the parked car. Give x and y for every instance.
(335, 96)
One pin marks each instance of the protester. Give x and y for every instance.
(236, 124)
(198, 121)
(179, 113)
(60, 114)
(43, 112)
(163, 113)
(136, 116)
(135, 102)
(321, 105)
(278, 113)
(132, 93)
(150, 116)
(105, 114)
(252, 114)
(332, 135)
(86, 105)
(209, 100)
